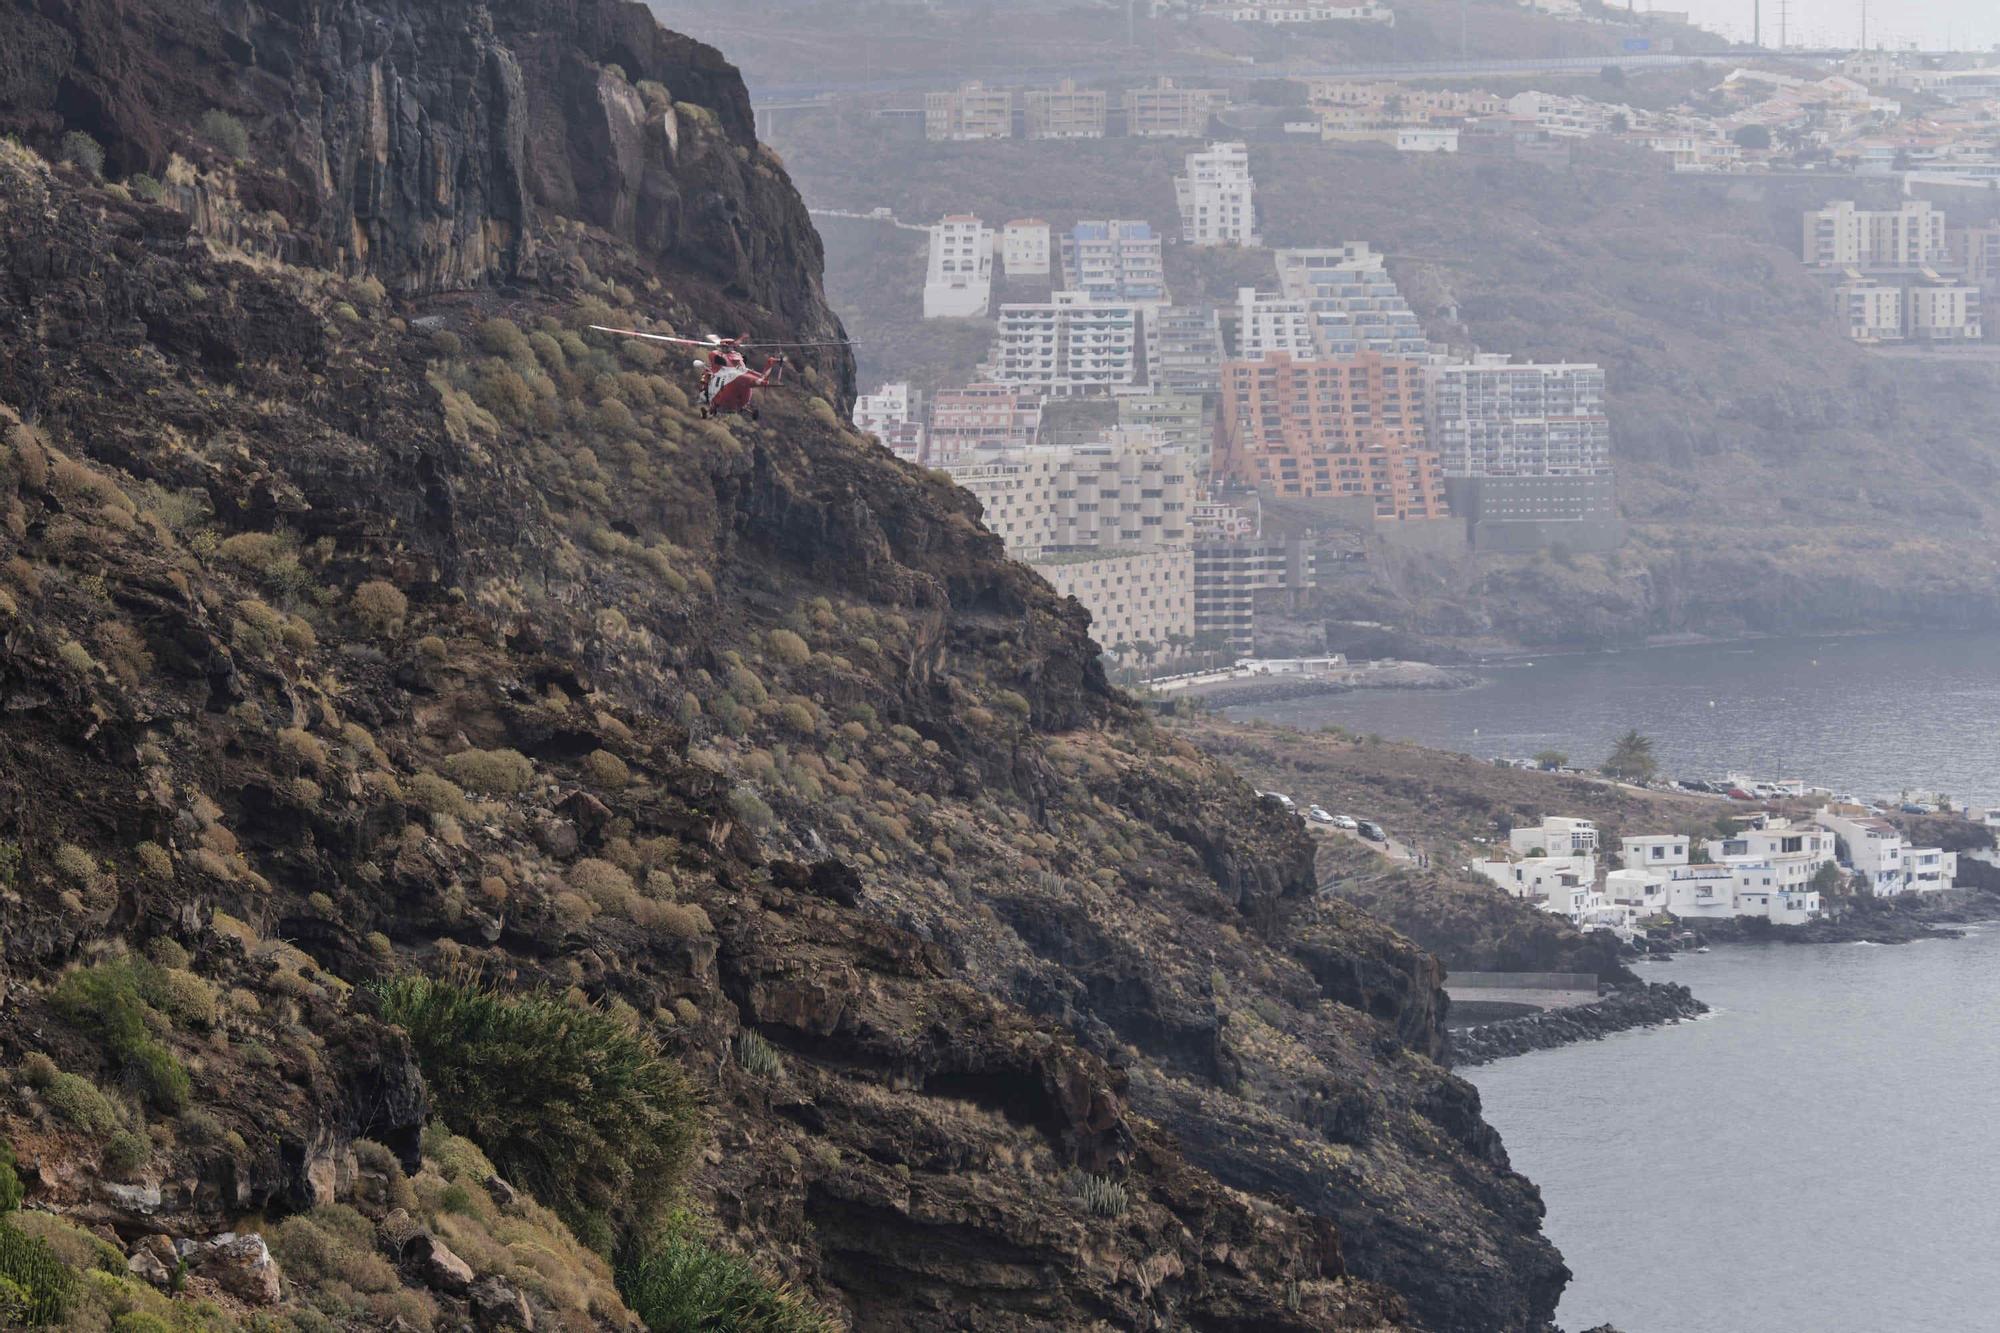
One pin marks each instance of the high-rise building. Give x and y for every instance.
(1355, 305)
(1217, 196)
(1266, 325)
(1123, 489)
(1065, 112)
(1493, 418)
(959, 282)
(1167, 112)
(1115, 261)
(981, 419)
(1347, 427)
(1228, 575)
(1842, 235)
(971, 112)
(1142, 597)
(1067, 345)
(1024, 248)
(1184, 349)
(893, 415)
(1180, 418)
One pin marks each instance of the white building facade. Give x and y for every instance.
(1217, 197)
(959, 281)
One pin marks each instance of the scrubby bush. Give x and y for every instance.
(679, 1281)
(84, 153)
(758, 1056)
(225, 132)
(81, 1104)
(585, 1113)
(438, 796)
(788, 648)
(1101, 1195)
(36, 1287)
(751, 809)
(606, 769)
(105, 1001)
(381, 606)
(492, 772)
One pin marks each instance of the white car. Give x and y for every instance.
(1318, 815)
(1347, 822)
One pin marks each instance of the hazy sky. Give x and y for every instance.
(1967, 24)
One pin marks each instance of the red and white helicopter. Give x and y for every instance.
(728, 384)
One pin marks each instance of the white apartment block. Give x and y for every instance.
(1942, 310)
(1767, 872)
(1303, 11)
(1167, 112)
(1556, 835)
(1133, 596)
(1217, 197)
(1180, 418)
(1123, 490)
(1552, 879)
(1115, 261)
(1875, 850)
(1026, 248)
(1869, 311)
(1563, 117)
(959, 281)
(1492, 418)
(890, 414)
(971, 112)
(1356, 306)
(1065, 112)
(1267, 324)
(1842, 235)
(1067, 346)
(1424, 139)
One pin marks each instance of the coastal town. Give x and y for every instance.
(1187, 467)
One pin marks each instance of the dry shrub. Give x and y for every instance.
(606, 769)
(492, 772)
(381, 606)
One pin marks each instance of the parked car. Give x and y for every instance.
(1345, 821)
(1318, 815)
(1373, 831)
(1280, 798)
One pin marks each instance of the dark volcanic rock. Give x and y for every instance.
(1633, 1007)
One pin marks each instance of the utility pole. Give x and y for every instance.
(1757, 24)
(1864, 25)
(1784, 21)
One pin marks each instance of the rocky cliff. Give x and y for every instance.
(364, 616)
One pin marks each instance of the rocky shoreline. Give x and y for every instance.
(1635, 1007)
(1283, 689)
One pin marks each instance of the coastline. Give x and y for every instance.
(1283, 689)
(1651, 1004)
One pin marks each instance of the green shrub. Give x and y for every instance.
(38, 1285)
(1101, 1195)
(494, 772)
(381, 606)
(758, 1056)
(126, 1152)
(606, 769)
(751, 809)
(788, 648)
(585, 1113)
(84, 153)
(680, 1282)
(81, 1103)
(106, 1002)
(225, 132)
(438, 796)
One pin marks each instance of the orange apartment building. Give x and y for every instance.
(1328, 428)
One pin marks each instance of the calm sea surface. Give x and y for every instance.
(1819, 1155)
(1869, 716)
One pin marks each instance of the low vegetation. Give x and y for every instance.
(679, 1282)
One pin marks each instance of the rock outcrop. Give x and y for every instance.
(363, 614)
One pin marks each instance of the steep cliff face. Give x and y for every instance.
(425, 145)
(350, 632)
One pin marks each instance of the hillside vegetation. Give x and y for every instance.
(484, 847)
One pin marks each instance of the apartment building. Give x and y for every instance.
(1302, 11)
(1938, 309)
(1843, 235)
(1345, 427)
(1026, 248)
(1869, 310)
(959, 281)
(1355, 305)
(1495, 418)
(1217, 197)
(1116, 261)
(1875, 850)
(893, 414)
(1134, 597)
(973, 111)
(1231, 572)
(1268, 325)
(1384, 103)
(1122, 490)
(1167, 112)
(1184, 349)
(981, 420)
(1180, 418)
(1065, 112)
(1067, 345)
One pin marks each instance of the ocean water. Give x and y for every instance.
(1819, 1155)
(1871, 716)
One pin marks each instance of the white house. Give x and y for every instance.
(1874, 849)
(1564, 884)
(1426, 139)
(1025, 248)
(1765, 872)
(1556, 835)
